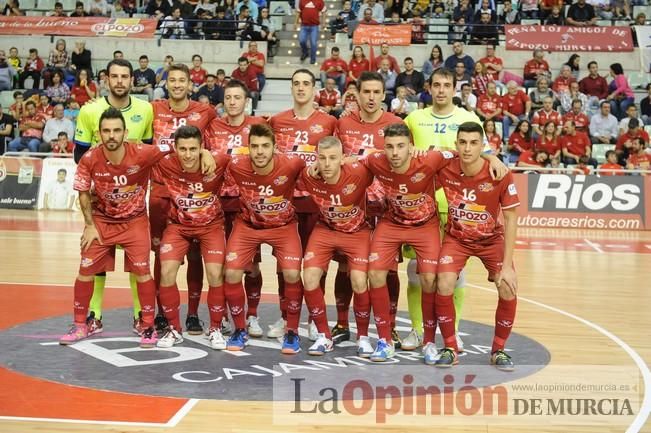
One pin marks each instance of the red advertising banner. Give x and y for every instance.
(563, 38)
(82, 26)
(584, 202)
(378, 34)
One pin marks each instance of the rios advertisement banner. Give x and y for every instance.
(584, 202)
(19, 182)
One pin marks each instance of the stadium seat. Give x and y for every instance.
(45, 5)
(68, 5)
(7, 98)
(498, 129)
(33, 13)
(528, 22)
(599, 151)
(27, 5)
(638, 79)
(603, 23)
(622, 23)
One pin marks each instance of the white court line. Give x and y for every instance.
(187, 407)
(79, 421)
(645, 409)
(594, 246)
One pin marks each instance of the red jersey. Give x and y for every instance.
(80, 94)
(301, 136)
(495, 142)
(527, 158)
(266, 200)
(393, 63)
(639, 161)
(577, 143)
(120, 189)
(248, 77)
(358, 67)
(475, 202)
(350, 103)
(46, 112)
(519, 143)
(255, 56)
(410, 195)
(327, 99)
(330, 62)
(628, 136)
(534, 67)
(32, 132)
(515, 104)
(198, 76)
(167, 121)
(562, 84)
(490, 70)
(342, 204)
(489, 104)
(194, 196)
(550, 146)
(541, 117)
(310, 11)
(614, 169)
(581, 121)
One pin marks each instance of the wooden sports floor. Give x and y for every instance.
(584, 295)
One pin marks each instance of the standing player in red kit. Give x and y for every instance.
(169, 115)
(230, 134)
(195, 216)
(474, 196)
(118, 172)
(298, 131)
(340, 193)
(266, 181)
(362, 133)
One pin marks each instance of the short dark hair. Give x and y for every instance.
(233, 84)
(370, 76)
(33, 50)
(610, 152)
(469, 127)
(18, 93)
(77, 4)
(334, 50)
(120, 62)
(262, 130)
(58, 5)
(244, 8)
(211, 76)
(445, 73)
(601, 104)
(112, 113)
(117, 52)
(143, 57)
(62, 134)
(305, 71)
(30, 102)
(221, 71)
(62, 170)
(467, 85)
(179, 67)
(242, 59)
(592, 63)
(197, 55)
(187, 131)
(617, 68)
(397, 130)
(409, 59)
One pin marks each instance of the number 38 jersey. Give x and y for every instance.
(167, 121)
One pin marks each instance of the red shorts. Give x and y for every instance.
(231, 207)
(132, 235)
(178, 239)
(455, 254)
(245, 241)
(324, 242)
(159, 207)
(388, 238)
(307, 214)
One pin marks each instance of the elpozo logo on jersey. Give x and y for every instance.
(471, 214)
(118, 27)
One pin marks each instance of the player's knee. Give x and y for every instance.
(233, 276)
(214, 275)
(312, 278)
(291, 275)
(505, 293)
(358, 281)
(428, 282)
(86, 278)
(143, 278)
(377, 278)
(445, 283)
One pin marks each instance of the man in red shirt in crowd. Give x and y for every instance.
(562, 82)
(31, 127)
(575, 144)
(384, 54)
(544, 115)
(266, 180)
(229, 134)
(336, 68)
(248, 76)
(516, 106)
(195, 216)
(170, 114)
(595, 86)
(473, 195)
(256, 63)
(638, 159)
(328, 98)
(494, 65)
(197, 73)
(309, 14)
(580, 119)
(611, 166)
(535, 68)
(625, 141)
(340, 192)
(489, 105)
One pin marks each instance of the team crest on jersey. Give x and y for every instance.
(280, 180)
(309, 255)
(373, 257)
(86, 262)
(133, 169)
(165, 248)
(486, 187)
(453, 127)
(246, 130)
(349, 189)
(316, 129)
(194, 117)
(446, 260)
(512, 189)
(447, 154)
(417, 177)
(136, 118)
(231, 256)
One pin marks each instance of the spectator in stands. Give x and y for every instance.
(328, 98)
(549, 140)
(434, 62)
(389, 77)
(640, 20)
(535, 68)
(458, 32)
(638, 159)
(425, 97)
(58, 91)
(350, 98)
(493, 64)
(247, 75)
(467, 99)
(581, 14)
(118, 55)
(222, 28)
(158, 9)
(173, 26)
(400, 105)
(611, 168)
(411, 79)
(309, 14)
(578, 116)
(484, 32)
(509, 15)
(17, 109)
(81, 58)
(574, 62)
(229, 6)
(556, 17)
(14, 62)
(603, 125)
(72, 111)
(594, 86)
(6, 129)
(58, 11)
(206, 5)
(393, 20)
(198, 74)
(79, 10)
(187, 8)
(480, 79)
(53, 126)
(520, 141)
(160, 91)
(63, 144)
(545, 114)
(631, 113)
(484, 7)
(33, 67)
(625, 141)
(384, 54)
(99, 8)
(12, 9)
(31, 130)
(461, 75)
(251, 5)
(541, 91)
(529, 9)
(516, 106)
(418, 26)
(489, 105)
(7, 73)
(44, 108)
(268, 32)
(533, 159)
(546, 7)
(342, 21)
(494, 139)
(256, 62)
(144, 79)
(576, 144)
(459, 56)
(102, 83)
(645, 106)
(212, 91)
(367, 17)
(562, 82)
(84, 89)
(58, 59)
(358, 64)
(221, 81)
(378, 11)
(604, 9)
(621, 94)
(336, 68)
(462, 10)
(573, 94)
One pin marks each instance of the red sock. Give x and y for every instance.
(429, 317)
(294, 295)
(235, 298)
(83, 293)
(282, 300)
(343, 295)
(317, 307)
(194, 278)
(380, 301)
(393, 283)
(216, 306)
(170, 300)
(504, 318)
(147, 297)
(322, 282)
(445, 317)
(253, 288)
(157, 281)
(362, 309)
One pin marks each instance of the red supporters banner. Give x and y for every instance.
(399, 34)
(82, 26)
(584, 202)
(563, 38)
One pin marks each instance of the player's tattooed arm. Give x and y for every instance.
(208, 164)
(498, 169)
(507, 277)
(90, 233)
